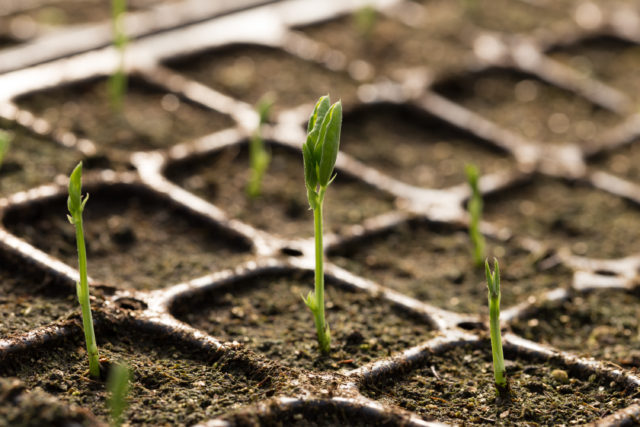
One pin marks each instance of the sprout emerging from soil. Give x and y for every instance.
(118, 80)
(5, 140)
(118, 388)
(76, 205)
(475, 213)
(320, 152)
(493, 282)
(259, 157)
(365, 20)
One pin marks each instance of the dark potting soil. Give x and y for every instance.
(416, 148)
(282, 207)
(267, 315)
(434, 265)
(457, 386)
(601, 324)
(20, 407)
(528, 106)
(389, 45)
(150, 119)
(30, 298)
(581, 218)
(134, 239)
(31, 162)
(623, 162)
(172, 383)
(248, 72)
(607, 59)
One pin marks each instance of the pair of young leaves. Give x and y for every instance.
(320, 150)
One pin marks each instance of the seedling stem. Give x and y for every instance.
(118, 80)
(76, 204)
(493, 283)
(118, 386)
(320, 152)
(259, 157)
(475, 206)
(5, 141)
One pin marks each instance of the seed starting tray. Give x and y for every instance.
(167, 59)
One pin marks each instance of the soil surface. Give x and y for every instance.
(607, 59)
(390, 46)
(363, 328)
(526, 105)
(133, 238)
(19, 407)
(30, 298)
(172, 383)
(282, 207)
(31, 162)
(623, 162)
(586, 326)
(434, 264)
(458, 387)
(150, 119)
(248, 72)
(415, 148)
(581, 218)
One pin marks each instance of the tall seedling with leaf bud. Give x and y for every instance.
(320, 152)
(76, 205)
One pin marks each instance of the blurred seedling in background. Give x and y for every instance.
(475, 206)
(320, 152)
(118, 80)
(493, 283)
(117, 388)
(364, 20)
(76, 204)
(5, 141)
(259, 157)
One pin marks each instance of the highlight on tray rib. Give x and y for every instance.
(76, 204)
(320, 152)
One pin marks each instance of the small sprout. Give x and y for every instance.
(475, 213)
(118, 388)
(5, 141)
(259, 157)
(365, 20)
(493, 283)
(76, 204)
(320, 152)
(118, 80)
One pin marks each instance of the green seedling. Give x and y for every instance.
(259, 157)
(475, 214)
(118, 80)
(76, 205)
(5, 141)
(365, 20)
(493, 282)
(320, 152)
(118, 388)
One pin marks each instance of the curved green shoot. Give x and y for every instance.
(118, 388)
(259, 157)
(475, 206)
(5, 141)
(118, 80)
(76, 204)
(493, 283)
(320, 152)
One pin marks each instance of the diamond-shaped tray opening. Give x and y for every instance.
(433, 263)
(282, 207)
(151, 118)
(248, 72)
(457, 386)
(580, 219)
(416, 148)
(134, 238)
(587, 326)
(623, 162)
(529, 106)
(267, 314)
